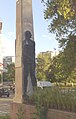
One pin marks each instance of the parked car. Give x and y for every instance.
(4, 92)
(44, 84)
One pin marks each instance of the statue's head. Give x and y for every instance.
(28, 35)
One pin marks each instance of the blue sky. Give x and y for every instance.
(44, 40)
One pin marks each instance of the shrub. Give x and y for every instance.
(54, 97)
(5, 117)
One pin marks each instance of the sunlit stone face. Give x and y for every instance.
(17, 1)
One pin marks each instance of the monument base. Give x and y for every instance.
(19, 110)
(24, 111)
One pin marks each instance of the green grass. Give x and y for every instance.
(5, 117)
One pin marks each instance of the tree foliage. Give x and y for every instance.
(56, 69)
(43, 62)
(62, 70)
(62, 17)
(10, 74)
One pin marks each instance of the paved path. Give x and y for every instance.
(5, 105)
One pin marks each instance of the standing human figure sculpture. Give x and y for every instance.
(28, 64)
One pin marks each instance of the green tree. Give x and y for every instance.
(56, 71)
(62, 69)
(62, 17)
(43, 62)
(10, 74)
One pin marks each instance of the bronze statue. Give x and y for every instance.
(28, 61)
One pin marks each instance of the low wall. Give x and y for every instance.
(28, 112)
(57, 114)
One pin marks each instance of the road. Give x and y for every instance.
(5, 105)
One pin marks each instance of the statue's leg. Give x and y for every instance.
(33, 77)
(25, 75)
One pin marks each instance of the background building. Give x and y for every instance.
(51, 53)
(7, 60)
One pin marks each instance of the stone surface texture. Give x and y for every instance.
(24, 22)
(31, 113)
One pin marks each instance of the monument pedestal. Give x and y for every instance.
(29, 111)
(19, 110)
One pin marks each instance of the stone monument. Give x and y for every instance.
(25, 80)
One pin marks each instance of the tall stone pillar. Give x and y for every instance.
(24, 22)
